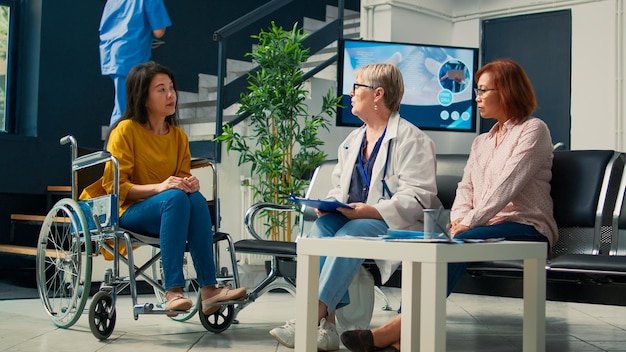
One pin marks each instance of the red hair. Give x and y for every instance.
(512, 84)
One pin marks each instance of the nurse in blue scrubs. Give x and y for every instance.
(127, 31)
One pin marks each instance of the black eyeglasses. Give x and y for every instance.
(356, 85)
(479, 92)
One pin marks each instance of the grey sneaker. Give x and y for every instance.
(285, 334)
(327, 336)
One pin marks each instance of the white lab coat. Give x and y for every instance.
(410, 176)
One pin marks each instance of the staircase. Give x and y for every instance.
(24, 228)
(199, 111)
(198, 117)
(31, 223)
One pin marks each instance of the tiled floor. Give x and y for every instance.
(474, 323)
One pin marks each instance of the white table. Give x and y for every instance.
(424, 281)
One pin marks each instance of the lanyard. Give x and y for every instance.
(364, 168)
(385, 187)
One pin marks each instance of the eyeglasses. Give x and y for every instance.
(479, 92)
(356, 85)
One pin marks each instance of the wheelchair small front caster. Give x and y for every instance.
(102, 315)
(218, 321)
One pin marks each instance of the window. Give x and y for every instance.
(6, 12)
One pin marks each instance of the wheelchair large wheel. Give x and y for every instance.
(64, 263)
(102, 315)
(191, 289)
(218, 321)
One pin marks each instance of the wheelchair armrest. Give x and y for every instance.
(91, 160)
(251, 214)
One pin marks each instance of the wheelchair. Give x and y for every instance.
(74, 232)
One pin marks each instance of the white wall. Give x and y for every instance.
(597, 70)
(595, 118)
(598, 38)
(597, 59)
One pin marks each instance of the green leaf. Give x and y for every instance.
(282, 145)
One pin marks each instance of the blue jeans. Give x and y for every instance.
(511, 231)
(180, 220)
(337, 273)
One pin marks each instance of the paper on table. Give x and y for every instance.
(415, 236)
(350, 237)
(424, 240)
(396, 234)
(485, 240)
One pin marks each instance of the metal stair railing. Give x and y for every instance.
(228, 94)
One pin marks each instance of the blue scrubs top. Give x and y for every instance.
(126, 33)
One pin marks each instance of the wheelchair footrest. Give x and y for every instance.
(245, 299)
(251, 297)
(146, 308)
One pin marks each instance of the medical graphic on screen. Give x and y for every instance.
(438, 82)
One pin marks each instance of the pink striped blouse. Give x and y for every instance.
(509, 182)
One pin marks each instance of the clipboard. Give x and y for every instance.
(327, 205)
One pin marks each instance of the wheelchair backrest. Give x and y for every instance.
(89, 175)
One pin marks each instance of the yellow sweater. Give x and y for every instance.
(144, 158)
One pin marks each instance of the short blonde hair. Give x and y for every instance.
(387, 76)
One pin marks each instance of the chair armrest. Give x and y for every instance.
(251, 214)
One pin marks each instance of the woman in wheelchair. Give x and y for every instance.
(158, 195)
(386, 172)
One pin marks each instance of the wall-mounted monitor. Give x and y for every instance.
(438, 82)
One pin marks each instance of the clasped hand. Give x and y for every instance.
(186, 184)
(456, 227)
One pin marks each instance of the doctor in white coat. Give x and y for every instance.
(386, 172)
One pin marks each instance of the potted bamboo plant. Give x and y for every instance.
(283, 146)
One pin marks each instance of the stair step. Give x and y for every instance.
(27, 217)
(197, 104)
(352, 36)
(207, 119)
(25, 250)
(202, 137)
(35, 218)
(333, 11)
(60, 189)
(310, 25)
